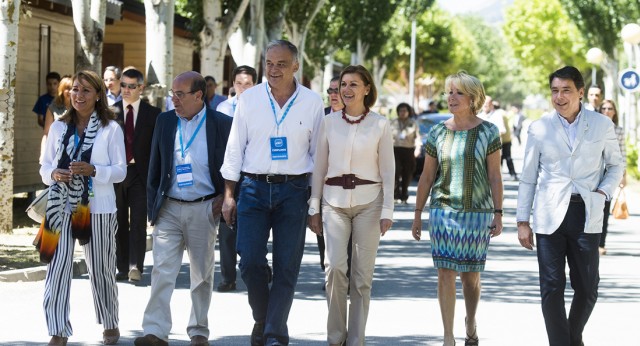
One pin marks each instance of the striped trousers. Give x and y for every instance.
(100, 254)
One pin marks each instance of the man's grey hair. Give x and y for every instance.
(285, 44)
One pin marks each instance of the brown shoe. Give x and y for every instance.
(58, 341)
(110, 336)
(199, 340)
(150, 340)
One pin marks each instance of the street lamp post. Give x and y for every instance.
(595, 56)
(630, 34)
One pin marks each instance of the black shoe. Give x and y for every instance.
(227, 287)
(257, 335)
(122, 276)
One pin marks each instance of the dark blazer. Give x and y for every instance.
(161, 168)
(145, 124)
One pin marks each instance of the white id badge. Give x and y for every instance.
(279, 148)
(184, 175)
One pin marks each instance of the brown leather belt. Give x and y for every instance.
(274, 178)
(348, 181)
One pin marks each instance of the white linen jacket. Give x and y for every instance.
(552, 168)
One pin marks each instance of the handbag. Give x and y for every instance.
(620, 210)
(38, 208)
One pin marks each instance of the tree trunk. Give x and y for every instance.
(297, 33)
(10, 15)
(378, 71)
(215, 35)
(159, 53)
(88, 18)
(247, 42)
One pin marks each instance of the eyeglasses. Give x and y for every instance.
(180, 94)
(110, 79)
(129, 86)
(332, 91)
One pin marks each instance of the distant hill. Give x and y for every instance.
(490, 10)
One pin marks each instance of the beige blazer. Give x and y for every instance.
(552, 168)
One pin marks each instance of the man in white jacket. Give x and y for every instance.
(572, 164)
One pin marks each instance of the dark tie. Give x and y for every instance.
(128, 133)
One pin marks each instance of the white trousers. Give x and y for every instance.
(179, 225)
(362, 223)
(100, 254)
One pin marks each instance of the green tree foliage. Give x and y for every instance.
(543, 38)
(600, 21)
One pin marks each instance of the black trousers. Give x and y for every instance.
(228, 254)
(580, 250)
(405, 168)
(506, 156)
(131, 238)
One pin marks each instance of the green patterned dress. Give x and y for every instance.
(461, 207)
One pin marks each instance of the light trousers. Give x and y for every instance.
(180, 224)
(362, 223)
(100, 254)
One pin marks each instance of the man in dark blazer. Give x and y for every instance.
(131, 198)
(184, 200)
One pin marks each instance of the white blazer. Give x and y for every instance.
(552, 168)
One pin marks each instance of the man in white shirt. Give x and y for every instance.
(572, 164)
(272, 145)
(243, 77)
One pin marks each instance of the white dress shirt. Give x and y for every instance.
(108, 156)
(254, 124)
(364, 149)
(197, 155)
(111, 98)
(228, 106)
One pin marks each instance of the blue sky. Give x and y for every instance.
(461, 6)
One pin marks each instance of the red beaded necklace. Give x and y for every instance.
(344, 116)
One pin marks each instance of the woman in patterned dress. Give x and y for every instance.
(462, 171)
(608, 108)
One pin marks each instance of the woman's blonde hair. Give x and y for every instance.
(469, 85)
(65, 84)
(101, 106)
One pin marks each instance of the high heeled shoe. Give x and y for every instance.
(471, 340)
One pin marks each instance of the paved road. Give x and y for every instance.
(404, 307)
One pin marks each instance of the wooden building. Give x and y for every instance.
(46, 43)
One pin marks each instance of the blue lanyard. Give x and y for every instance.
(182, 147)
(76, 140)
(235, 103)
(273, 107)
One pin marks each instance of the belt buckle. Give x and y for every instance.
(349, 181)
(272, 179)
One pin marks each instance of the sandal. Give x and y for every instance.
(471, 340)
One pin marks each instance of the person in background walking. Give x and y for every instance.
(60, 104)
(462, 171)
(608, 108)
(572, 164)
(518, 122)
(594, 98)
(353, 179)
(43, 102)
(137, 119)
(493, 113)
(111, 80)
(244, 77)
(213, 99)
(406, 147)
(84, 156)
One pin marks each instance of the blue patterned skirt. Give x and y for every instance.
(459, 240)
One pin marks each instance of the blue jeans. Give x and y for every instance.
(282, 208)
